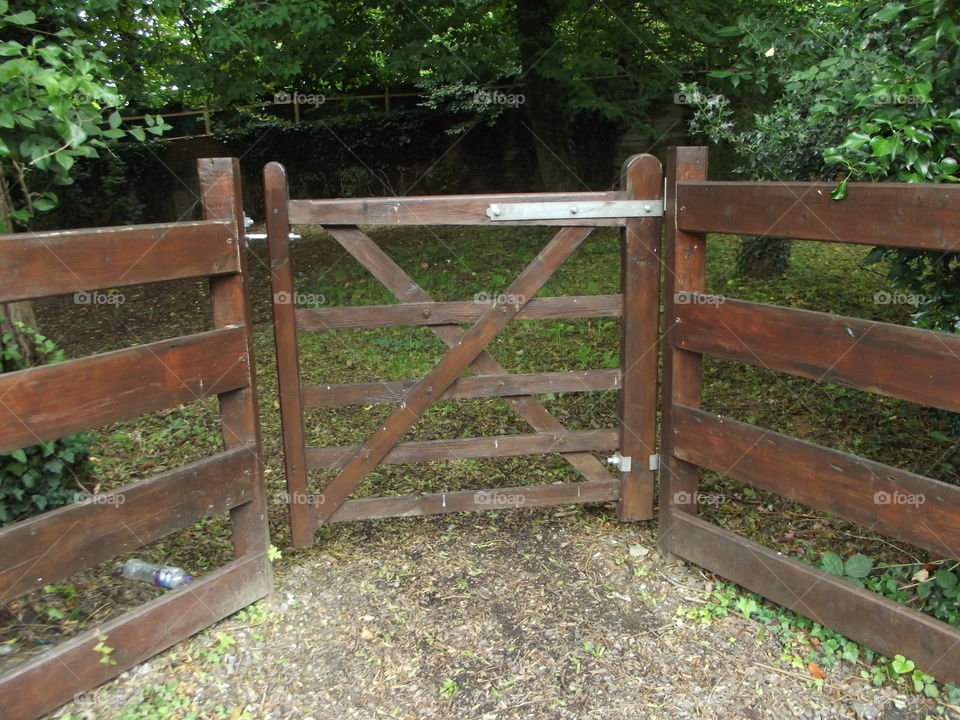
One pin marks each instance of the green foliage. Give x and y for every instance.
(763, 257)
(907, 128)
(43, 476)
(56, 106)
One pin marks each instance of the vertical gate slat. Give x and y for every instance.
(230, 297)
(639, 339)
(288, 362)
(684, 270)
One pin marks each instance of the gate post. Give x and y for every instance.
(276, 198)
(639, 341)
(686, 255)
(222, 199)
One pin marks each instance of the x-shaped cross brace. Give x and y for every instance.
(466, 350)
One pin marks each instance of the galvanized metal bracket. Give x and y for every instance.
(571, 210)
(621, 463)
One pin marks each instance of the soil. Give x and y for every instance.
(529, 614)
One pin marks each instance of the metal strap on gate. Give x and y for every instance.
(588, 210)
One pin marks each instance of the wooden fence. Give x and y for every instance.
(48, 402)
(638, 305)
(919, 366)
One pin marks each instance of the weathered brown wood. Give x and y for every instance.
(684, 269)
(438, 210)
(52, 679)
(222, 198)
(480, 500)
(276, 197)
(447, 313)
(48, 402)
(884, 625)
(475, 447)
(919, 366)
(458, 359)
(639, 339)
(52, 546)
(406, 290)
(910, 507)
(34, 265)
(896, 214)
(471, 387)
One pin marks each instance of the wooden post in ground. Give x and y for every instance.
(230, 296)
(639, 344)
(684, 270)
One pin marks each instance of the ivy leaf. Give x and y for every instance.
(840, 191)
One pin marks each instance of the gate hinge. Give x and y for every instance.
(654, 462)
(569, 210)
(621, 463)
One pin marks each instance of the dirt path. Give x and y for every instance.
(532, 614)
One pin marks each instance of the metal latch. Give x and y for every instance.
(621, 463)
(568, 210)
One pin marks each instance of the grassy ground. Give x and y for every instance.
(456, 263)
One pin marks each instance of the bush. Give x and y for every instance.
(43, 476)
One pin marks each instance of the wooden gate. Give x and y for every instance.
(637, 376)
(48, 402)
(918, 366)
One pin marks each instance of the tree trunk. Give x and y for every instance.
(544, 103)
(17, 312)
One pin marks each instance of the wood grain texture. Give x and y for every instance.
(481, 386)
(52, 679)
(475, 447)
(480, 500)
(884, 625)
(403, 287)
(48, 402)
(447, 313)
(450, 367)
(285, 338)
(913, 215)
(916, 365)
(883, 499)
(438, 210)
(684, 269)
(222, 199)
(34, 265)
(56, 544)
(639, 339)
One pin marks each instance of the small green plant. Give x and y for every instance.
(46, 475)
(448, 687)
(104, 650)
(855, 568)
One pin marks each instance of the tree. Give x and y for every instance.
(56, 105)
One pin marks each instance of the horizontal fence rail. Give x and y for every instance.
(481, 386)
(447, 313)
(919, 216)
(861, 354)
(911, 364)
(47, 402)
(441, 210)
(75, 261)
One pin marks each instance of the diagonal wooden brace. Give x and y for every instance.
(396, 280)
(450, 367)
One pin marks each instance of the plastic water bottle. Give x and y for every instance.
(165, 576)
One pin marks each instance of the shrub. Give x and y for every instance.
(43, 476)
